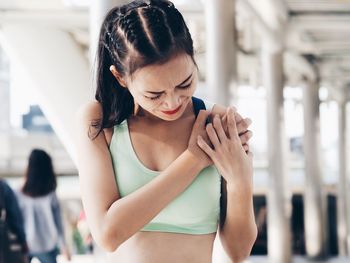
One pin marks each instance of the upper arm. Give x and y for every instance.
(96, 175)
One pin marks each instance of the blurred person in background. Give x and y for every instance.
(41, 210)
(146, 155)
(10, 211)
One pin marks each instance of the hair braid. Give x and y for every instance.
(157, 26)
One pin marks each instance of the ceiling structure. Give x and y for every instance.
(323, 30)
(317, 30)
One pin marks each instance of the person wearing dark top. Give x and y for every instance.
(14, 217)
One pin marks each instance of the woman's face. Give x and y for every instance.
(164, 91)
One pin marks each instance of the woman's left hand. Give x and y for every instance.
(233, 161)
(242, 127)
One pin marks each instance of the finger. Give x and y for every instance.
(238, 116)
(219, 129)
(246, 147)
(232, 129)
(245, 137)
(204, 146)
(212, 135)
(201, 118)
(243, 125)
(224, 124)
(250, 154)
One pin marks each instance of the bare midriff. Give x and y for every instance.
(160, 247)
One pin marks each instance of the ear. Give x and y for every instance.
(118, 76)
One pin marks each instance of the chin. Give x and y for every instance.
(171, 119)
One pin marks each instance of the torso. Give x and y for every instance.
(150, 141)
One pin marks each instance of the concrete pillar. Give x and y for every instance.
(315, 221)
(343, 194)
(4, 93)
(220, 49)
(54, 68)
(278, 197)
(220, 67)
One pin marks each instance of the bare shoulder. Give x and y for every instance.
(89, 111)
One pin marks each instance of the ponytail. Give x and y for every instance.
(116, 100)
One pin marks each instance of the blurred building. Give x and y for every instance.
(35, 121)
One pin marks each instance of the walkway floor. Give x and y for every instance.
(298, 259)
(254, 259)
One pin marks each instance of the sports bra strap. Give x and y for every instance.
(198, 105)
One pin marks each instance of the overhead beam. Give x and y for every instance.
(299, 65)
(262, 26)
(64, 19)
(319, 22)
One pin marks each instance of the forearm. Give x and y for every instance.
(129, 214)
(239, 231)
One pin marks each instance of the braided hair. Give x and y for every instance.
(132, 36)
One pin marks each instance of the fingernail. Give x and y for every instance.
(248, 121)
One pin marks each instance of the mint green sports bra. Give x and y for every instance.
(195, 211)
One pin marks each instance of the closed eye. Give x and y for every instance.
(186, 87)
(180, 87)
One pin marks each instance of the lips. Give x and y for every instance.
(173, 111)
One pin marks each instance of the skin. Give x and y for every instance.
(168, 144)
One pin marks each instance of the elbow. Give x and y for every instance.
(240, 252)
(241, 255)
(108, 239)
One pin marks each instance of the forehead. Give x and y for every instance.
(170, 73)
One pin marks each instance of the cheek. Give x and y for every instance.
(147, 104)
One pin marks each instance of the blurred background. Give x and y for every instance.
(283, 63)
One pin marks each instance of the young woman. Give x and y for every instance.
(41, 210)
(151, 172)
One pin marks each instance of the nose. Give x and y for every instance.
(172, 102)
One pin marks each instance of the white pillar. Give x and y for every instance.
(4, 93)
(315, 202)
(343, 195)
(220, 67)
(55, 70)
(220, 49)
(278, 197)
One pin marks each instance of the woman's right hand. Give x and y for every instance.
(199, 130)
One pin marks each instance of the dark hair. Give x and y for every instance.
(133, 36)
(40, 178)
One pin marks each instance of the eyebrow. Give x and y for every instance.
(160, 92)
